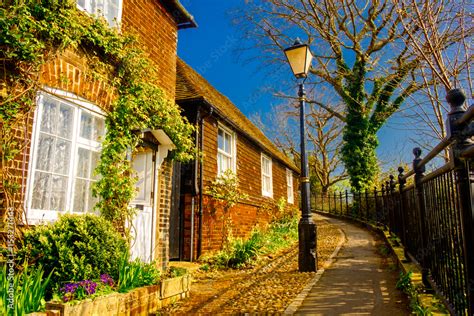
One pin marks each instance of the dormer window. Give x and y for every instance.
(111, 10)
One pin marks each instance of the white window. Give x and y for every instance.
(111, 10)
(289, 186)
(226, 153)
(267, 187)
(64, 153)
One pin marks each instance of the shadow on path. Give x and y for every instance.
(361, 281)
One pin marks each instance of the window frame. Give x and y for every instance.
(87, 8)
(79, 106)
(290, 189)
(233, 148)
(267, 193)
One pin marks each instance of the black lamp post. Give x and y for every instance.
(299, 57)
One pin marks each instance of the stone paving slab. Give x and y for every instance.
(361, 281)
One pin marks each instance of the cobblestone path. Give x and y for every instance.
(268, 288)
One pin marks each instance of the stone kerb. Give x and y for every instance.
(140, 301)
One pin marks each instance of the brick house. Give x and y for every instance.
(226, 140)
(55, 169)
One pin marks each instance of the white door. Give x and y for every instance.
(142, 231)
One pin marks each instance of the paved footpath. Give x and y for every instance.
(361, 281)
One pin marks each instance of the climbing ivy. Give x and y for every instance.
(33, 32)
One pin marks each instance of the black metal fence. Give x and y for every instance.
(434, 217)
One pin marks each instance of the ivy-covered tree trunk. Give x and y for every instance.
(358, 151)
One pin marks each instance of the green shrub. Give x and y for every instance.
(76, 247)
(175, 272)
(133, 274)
(244, 252)
(29, 290)
(280, 234)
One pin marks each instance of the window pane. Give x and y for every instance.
(98, 129)
(220, 139)
(112, 11)
(83, 161)
(81, 3)
(45, 152)
(62, 154)
(58, 193)
(227, 163)
(95, 160)
(92, 201)
(86, 125)
(266, 166)
(49, 119)
(65, 122)
(227, 144)
(266, 184)
(80, 195)
(41, 187)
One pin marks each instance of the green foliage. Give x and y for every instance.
(358, 150)
(133, 274)
(74, 248)
(29, 290)
(404, 282)
(226, 188)
(174, 272)
(33, 32)
(280, 234)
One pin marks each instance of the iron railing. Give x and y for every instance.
(433, 217)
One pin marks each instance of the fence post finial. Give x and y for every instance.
(401, 180)
(419, 170)
(392, 182)
(456, 98)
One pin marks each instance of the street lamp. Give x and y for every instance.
(299, 57)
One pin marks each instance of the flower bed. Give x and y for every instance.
(140, 301)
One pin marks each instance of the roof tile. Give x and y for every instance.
(191, 86)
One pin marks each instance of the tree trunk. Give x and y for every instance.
(358, 151)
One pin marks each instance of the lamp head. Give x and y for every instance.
(299, 57)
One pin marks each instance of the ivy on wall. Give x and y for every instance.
(33, 32)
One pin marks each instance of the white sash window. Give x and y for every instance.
(65, 151)
(225, 150)
(111, 10)
(289, 186)
(267, 182)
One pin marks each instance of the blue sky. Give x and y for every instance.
(210, 50)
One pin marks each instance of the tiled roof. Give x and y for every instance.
(192, 86)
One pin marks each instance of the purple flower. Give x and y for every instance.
(69, 288)
(107, 280)
(89, 286)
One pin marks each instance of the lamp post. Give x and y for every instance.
(299, 57)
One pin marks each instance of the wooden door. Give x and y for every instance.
(142, 231)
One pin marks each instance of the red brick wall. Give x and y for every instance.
(256, 210)
(68, 73)
(163, 214)
(248, 166)
(158, 31)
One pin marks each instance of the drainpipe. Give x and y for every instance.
(201, 145)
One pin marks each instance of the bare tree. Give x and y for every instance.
(361, 53)
(325, 142)
(445, 64)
